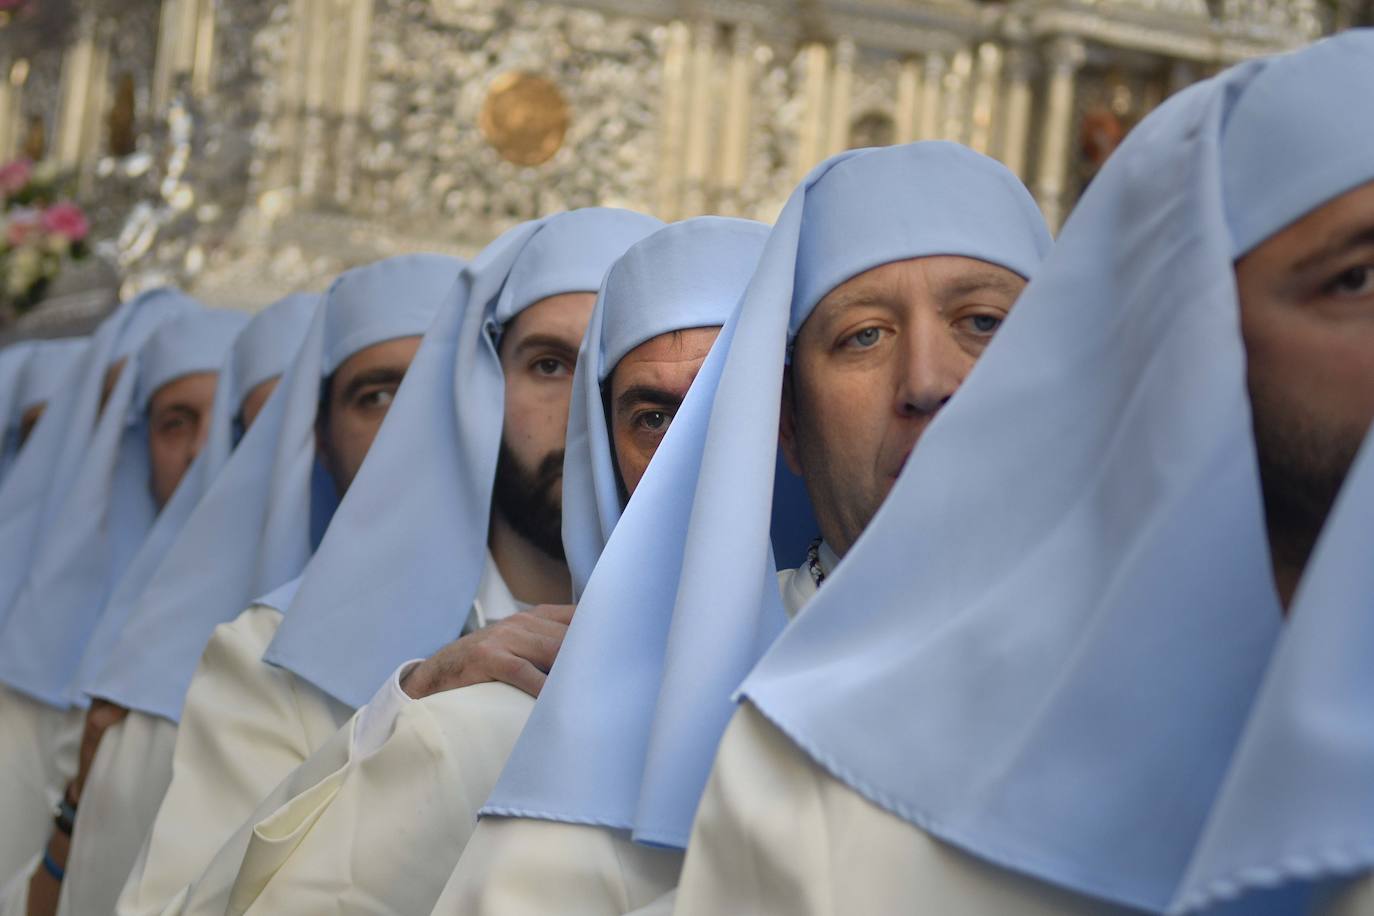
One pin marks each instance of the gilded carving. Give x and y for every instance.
(524, 117)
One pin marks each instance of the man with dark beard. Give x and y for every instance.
(450, 526)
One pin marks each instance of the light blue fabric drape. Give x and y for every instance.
(396, 575)
(13, 358)
(574, 756)
(107, 513)
(706, 604)
(251, 531)
(41, 477)
(51, 363)
(1043, 647)
(262, 350)
(1297, 805)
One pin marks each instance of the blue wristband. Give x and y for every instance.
(52, 868)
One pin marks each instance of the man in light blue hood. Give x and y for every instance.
(125, 782)
(40, 369)
(886, 276)
(659, 311)
(252, 530)
(476, 435)
(150, 430)
(37, 738)
(1022, 688)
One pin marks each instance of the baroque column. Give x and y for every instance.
(1019, 66)
(85, 73)
(12, 79)
(811, 134)
(841, 91)
(700, 129)
(928, 126)
(673, 119)
(353, 99)
(318, 57)
(986, 78)
(906, 121)
(954, 104)
(185, 48)
(734, 160)
(1064, 57)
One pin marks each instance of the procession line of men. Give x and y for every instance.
(891, 558)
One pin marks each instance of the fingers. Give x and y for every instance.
(516, 651)
(538, 641)
(561, 613)
(520, 674)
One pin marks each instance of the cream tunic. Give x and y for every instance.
(382, 833)
(38, 747)
(775, 834)
(525, 867)
(128, 776)
(245, 727)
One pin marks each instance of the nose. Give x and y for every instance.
(932, 366)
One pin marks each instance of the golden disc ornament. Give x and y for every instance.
(524, 117)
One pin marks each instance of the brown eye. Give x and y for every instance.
(373, 399)
(550, 367)
(173, 425)
(655, 420)
(1357, 281)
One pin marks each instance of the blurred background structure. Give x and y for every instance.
(247, 148)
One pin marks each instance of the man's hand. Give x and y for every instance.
(518, 651)
(99, 717)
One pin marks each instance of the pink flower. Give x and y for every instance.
(14, 175)
(23, 226)
(67, 220)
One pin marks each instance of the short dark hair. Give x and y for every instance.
(621, 490)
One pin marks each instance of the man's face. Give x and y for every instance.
(644, 392)
(178, 421)
(1307, 317)
(538, 352)
(255, 400)
(29, 419)
(357, 397)
(871, 366)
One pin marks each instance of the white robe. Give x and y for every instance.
(776, 834)
(381, 833)
(38, 748)
(128, 776)
(526, 867)
(245, 728)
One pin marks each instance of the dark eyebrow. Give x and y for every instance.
(547, 342)
(382, 375)
(1331, 250)
(177, 407)
(646, 394)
